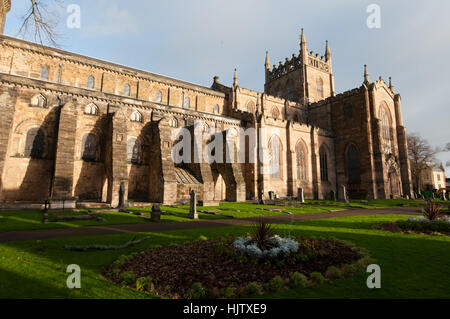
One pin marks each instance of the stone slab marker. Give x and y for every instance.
(300, 195)
(343, 194)
(193, 209)
(156, 213)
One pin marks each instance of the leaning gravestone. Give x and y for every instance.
(343, 194)
(300, 195)
(443, 195)
(156, 214)
(193, 209)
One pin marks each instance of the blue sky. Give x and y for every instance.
(194, 40)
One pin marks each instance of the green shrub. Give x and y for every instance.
(254, 288)
(229, 293)
(145, 284)
(127, 278)
(276, 284)
(317, 277)
(333, 273)
(196, 292)
(298, 280)
(348, 270)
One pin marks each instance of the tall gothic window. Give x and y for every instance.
(250, 107)
(301, 162)
(34, 144)
(323, 164)
(216, 109)
(133, 150)
(89, 147)
(319, 84)
(275, 113)
(353, 165)
(386, 130)
(90, 82)
(275, 157)
(44, 72)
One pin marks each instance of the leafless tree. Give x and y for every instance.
(40, 21)
(421, 156)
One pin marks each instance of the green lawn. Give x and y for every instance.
(28, 220)
(412, 266)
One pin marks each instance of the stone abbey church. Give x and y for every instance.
(82, 130)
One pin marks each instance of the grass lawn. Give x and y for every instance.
(412, 266)
(32, 219)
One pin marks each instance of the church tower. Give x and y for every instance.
(304, 78)
(5, 6)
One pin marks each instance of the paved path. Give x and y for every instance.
(159, 227)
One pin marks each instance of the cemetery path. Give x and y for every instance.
(40, 234)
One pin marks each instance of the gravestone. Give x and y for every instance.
(261, 198)
(443, 195)
(343, 194)
(156, 213)
(300, 195)
(332, 195)
(193, 209)
(122, 195)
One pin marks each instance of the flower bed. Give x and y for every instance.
(220, 269)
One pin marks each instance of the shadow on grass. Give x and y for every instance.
(413, 266)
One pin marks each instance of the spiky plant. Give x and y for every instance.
(432, 211)
(261, 233)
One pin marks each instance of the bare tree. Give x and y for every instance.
(421, 156)
(40, 22)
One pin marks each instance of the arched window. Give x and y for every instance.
(44, 72)
(186, 103)
(173, 122)
(34, 144)
(319, 84)
(250, 107)
(301, 161)
(323, 164)
(89, 147)
(158, 97)
(133, 150)
(91, 109)
(136, 116)
(126, 90)
(275, 157)
(386, 130)
(275, 113)
(216, 109)
(353, 166)
(39, 101)
(90, 82)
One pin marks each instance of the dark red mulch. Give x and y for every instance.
(175, 268)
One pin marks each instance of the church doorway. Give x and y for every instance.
(394, 185)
